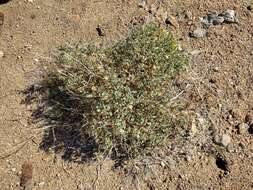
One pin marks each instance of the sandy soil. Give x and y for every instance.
(219, 91)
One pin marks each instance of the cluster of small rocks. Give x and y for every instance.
(212, 19)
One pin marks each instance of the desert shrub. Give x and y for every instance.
(119, 94)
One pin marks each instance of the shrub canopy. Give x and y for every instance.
(120, 94)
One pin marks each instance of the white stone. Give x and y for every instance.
(225, 140)
(199, 33)
(243, 128)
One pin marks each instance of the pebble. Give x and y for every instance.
(198, 33)
(163, 164)
(36, 60)
(243, 128)
(249, 118)
(216, 69)
(142, 3)
(230, 148)
(188, 15)
(153, 9)
(194, 129)
(1, 54)
(80, 187)
(225, 140)
(170, 20)
(179, 47)
(229, 16)
(100, 31)
(195, 52)
(188, 158)
(42, 183)
(172, 163)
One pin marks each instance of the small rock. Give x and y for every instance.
(179, 47)
(250, 7)
(216, 69)
(1, 54)
(216, 139)
(163, 164)
(230, 148)
(36, 60)
(42, 183)
(171, 163)
(249, 118)
(198, 33)
(225, 140)
(195, 52)
(188, 158)
(142, 3)
(188, 15)
(229, 16)
(243, 128)
(153, 9)
(100, 31)
(194, 129)
(80, 187)
(170, 20)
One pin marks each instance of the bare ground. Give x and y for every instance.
(217, 86)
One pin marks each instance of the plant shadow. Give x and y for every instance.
(4, 1)
(63, 123)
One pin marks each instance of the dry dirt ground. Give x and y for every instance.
(217, 85)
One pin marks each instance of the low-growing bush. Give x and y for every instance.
(119, 94)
